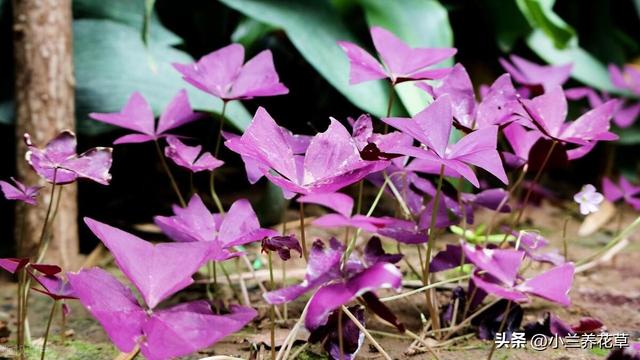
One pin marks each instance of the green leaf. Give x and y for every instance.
(420, 23)
(113, 65)
(127, 12)
(628, 136)
(314, 27)
(540, 15)
(249, 31)
(586, 68)
(146, 24)
(508, 22)
(7, 112)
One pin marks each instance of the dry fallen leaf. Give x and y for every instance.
(593, 222)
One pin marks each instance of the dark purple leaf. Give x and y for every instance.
(379, 308)
(374, 253)
(283, 245)
(489, 321)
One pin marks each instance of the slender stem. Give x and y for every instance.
(502, 324)
(536, 179)
(373, 206)
(506, 199)
(212, 188)
(165, 166)
(45, 225)
(467, 320)
(366, 333)
(431, 301)
(213, 279)
(360, 191)
(233, 290)
(285, 308)
(340, 336)
(565, 245)
(19, 335)
(46, 332)
(427, 287)
(45, 243)
(392, 95)
(421, 341)
(219, 138)
(272, 314)
(303, 239)
(625, 233)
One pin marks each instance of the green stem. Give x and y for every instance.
(536, 179)
(45, 243)
(433, 308)
(221, 126)
(213, 279)
(360, 191)
(165, 166)
(46, 332)
(392, 95)
(45, 225)
(340, 336)
(272, 314)
(625, 233)
(303, 239)
(212, 188)
(565, 246)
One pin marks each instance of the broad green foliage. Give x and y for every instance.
(586, 68)
(127, 12)
(420, 23)
(556, 42)
(540, 15)
(314, 27)
(112, 66)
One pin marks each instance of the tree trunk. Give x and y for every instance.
(44, 97)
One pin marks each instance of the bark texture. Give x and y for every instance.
(44, 97)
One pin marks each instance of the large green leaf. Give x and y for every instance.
(111, 66)
(314, 27)
(508, 22)
(420, 23)
(540, 15)
(128, 12)
(586, 68)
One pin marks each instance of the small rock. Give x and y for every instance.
(69, 333)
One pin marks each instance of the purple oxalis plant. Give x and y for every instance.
(138, 116)
(331, 161)
(432, 128)
(223, 74)
(157, 272)
(59, 163)
(221, 233)
(399, 61)
(19, 191)
(624, 190)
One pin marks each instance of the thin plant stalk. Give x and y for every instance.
(360, 191)
(272, 313)
(340, 336)
(506, 199)
(366, 333)
(430, 295)
(392, 95)
(424, 288)
(536, 179)
(285, 308)
(213, 279)
(565, 245)
(623, 234)
(303, 239)
(216, 152)
(46, 332)
(502, 325)
(172, 180)
(25, 336)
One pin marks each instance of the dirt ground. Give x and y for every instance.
(609, 292)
